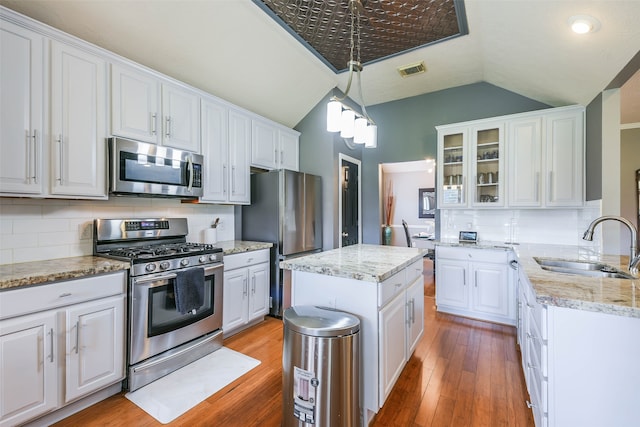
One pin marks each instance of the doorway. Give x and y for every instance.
(349, 201)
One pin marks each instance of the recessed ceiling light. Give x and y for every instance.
(583, 24)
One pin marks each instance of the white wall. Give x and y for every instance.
(36, 229)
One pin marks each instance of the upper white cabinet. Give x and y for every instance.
(525, 160)
(78, 122)
(225, 146)
(148, 109)
(273, 147)
(70, 159)
(22, 129)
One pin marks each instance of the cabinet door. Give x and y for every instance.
(452, 176)
(259, 293)
(524, 166)
(289, 151)
(181, 118)
(264, 145)
(28, 367)
(415, 319)
(215, 149)
(135, 108)
(239, 151)
(392, 344)
(94, 346)
(490, 289)
(565, 159)
(21, 110)
(452, 289)
(235, 305)
(486, 160)
(78, 122)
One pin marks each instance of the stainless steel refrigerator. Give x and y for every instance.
(286, 210)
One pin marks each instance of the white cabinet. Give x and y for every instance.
(28, 362)
(78, 122)
(225, 147)
(59, 343)
(272, 147)
(527, 160)
(476, 283)
(146, 108)
(22, 128)
(546, 159)
(70, 160)
(392, 322)
(245, 291)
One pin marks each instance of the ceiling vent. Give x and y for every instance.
(412, 69)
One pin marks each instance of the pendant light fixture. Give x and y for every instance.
(351, 124)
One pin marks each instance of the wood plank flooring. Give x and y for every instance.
(463, 373)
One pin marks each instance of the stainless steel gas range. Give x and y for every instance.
(175, 293)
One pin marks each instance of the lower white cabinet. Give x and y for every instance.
(581, 367)
(58, 343)
(475, 283)
(245, 290)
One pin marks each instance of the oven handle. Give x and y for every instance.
(208, 271)
(171, 356)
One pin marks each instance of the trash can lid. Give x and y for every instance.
(320, 321)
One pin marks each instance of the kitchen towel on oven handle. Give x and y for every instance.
(189, 290)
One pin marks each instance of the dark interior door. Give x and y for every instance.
(349, 203)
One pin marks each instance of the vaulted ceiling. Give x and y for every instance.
(235, 50)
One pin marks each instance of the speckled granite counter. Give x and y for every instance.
(40, 272)
(231, 247)
(613, 296)
(370, 263)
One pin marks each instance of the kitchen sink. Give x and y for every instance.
(582, 268)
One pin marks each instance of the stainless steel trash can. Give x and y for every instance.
(320, 368)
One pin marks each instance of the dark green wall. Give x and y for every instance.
(406, 131)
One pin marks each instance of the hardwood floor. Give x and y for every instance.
(463, 373)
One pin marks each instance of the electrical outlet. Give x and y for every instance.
(86, 231)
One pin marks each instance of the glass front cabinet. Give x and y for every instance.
(472, 166)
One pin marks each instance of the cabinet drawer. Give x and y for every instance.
(472, 254)
(391, 287)
(245, 259)
(414, 271)
(44, 297)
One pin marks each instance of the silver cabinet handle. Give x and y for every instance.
(475, 279)
(167, 126)
(413, 310)
(225, 178)
(154, 123)
(530, 405)
(51, 344)
(77, 336)
(275, 155)
(233, 179)
(245, 290)
(190, 168)
(514, 264)
(60, 162)
(407, 312)
(253, 285)
(33, 158)
(464, 277)
(281, 157)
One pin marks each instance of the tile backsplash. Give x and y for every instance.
(38, 229)
(550, 226)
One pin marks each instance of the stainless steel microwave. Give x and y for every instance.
(142, 169)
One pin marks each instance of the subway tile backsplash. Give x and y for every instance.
(550, 226)
(38, 229)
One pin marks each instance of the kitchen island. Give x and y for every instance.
(383, 286)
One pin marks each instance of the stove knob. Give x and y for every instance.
(165, 264)
(212, 257)
(184, 262)
(150, 267)
(202, 259)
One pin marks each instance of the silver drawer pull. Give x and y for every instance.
(66, 294)
(530, 405)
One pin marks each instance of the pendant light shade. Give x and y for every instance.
(360, 131)
(372, 137)
(334, 116)
(347, 124)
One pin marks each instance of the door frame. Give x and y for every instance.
(341, 157)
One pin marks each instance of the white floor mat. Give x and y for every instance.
(173, 395)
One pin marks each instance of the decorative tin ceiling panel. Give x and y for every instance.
(387, 27)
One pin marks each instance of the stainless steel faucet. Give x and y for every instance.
(634, 258)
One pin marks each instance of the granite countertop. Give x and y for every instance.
(231, 247)
(370, 263)
(41, 272)
(607, 295)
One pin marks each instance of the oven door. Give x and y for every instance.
(156, 325)
(144, 169)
